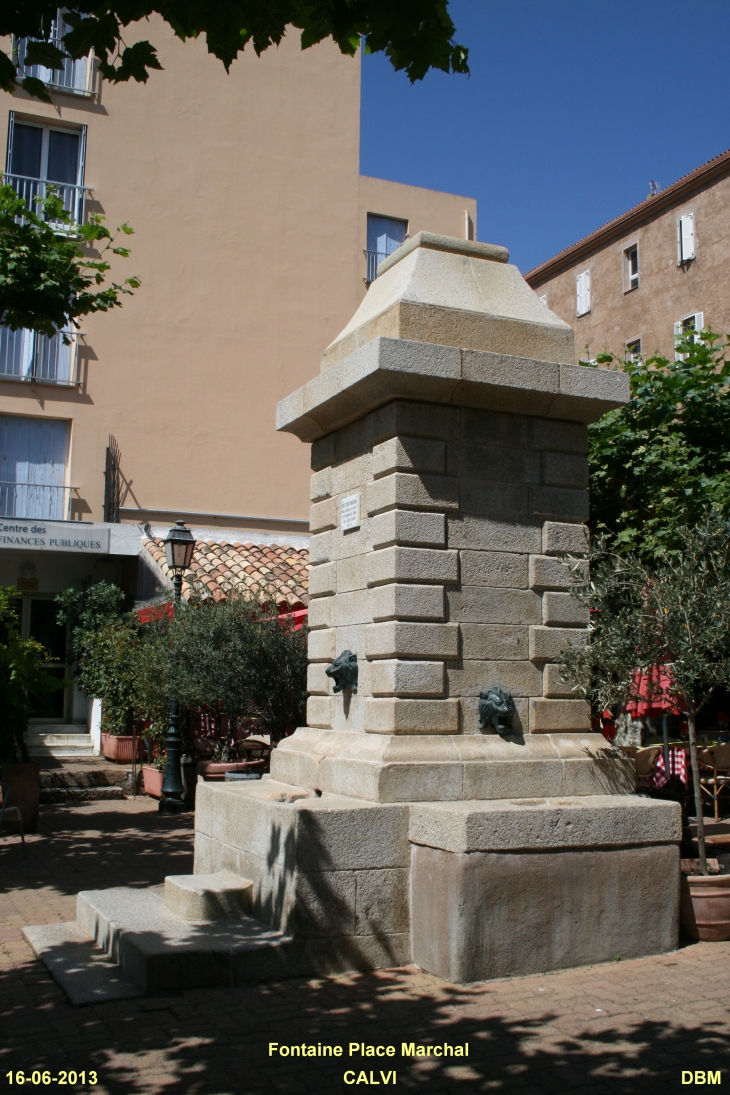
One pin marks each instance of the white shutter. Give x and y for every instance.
(686, 237)
(11, 130)
(678, 334)
(699, 321)
(33, 453)
(583, 293)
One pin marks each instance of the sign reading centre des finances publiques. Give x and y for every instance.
(43, 535)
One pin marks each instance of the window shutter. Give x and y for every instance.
(699, 321)
(583, 293)
(82, 156)
(678, 334)
(11, 129)
(687, 237)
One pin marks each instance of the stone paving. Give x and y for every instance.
(623, 1027)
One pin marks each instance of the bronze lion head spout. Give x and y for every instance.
(496, 710)
(343, 671)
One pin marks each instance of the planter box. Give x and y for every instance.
(121, 748)
(23, 785)
(152, 780)
(216, 773)
(705, 907)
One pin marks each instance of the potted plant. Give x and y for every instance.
(672, 613)
(21, 678)
(152, 777)
(106, 646)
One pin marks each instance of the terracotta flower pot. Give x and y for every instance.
(23, 783)
(152, 780)
(121, 748)
(216, 773)
(705, 907)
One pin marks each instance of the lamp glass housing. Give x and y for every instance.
(179, 547)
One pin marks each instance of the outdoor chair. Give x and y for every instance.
(253, 749)
(6, 810)
(645, 761)
(715, 773)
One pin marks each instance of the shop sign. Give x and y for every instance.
(40, 535)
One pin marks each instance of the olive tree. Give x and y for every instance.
(674, 611)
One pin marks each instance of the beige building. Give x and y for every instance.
(255, 239)
(649, 275)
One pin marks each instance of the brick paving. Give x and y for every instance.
(624, 1027)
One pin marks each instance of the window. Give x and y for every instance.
(33, 455)
(685, 238)
(75, 77)
(583, 293)
(385, 235)
(27, 355)
(684, 328)
(39, 154)
(631, 268)
(633, 350)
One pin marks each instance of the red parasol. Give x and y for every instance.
(654, 693)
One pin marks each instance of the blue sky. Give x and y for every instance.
(570, 110)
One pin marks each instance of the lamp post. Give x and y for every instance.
(179, 547)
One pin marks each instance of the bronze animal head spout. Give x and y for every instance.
(496, 710)
(343, 671)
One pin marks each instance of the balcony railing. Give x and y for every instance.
(33, 190)
(76, 77)
(29, 356)
(374, 258)
(34, 501)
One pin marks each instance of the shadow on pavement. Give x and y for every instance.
(81, 848)
(215, 1042)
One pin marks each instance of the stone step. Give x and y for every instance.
(84, 972)
(161, 951)
(59, 796)
(218, 896)
(60, 742)
(79, 776)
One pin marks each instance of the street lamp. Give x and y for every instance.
(179, 548)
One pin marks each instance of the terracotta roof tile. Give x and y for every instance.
(274, 572)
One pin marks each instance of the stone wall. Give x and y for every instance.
(451, 584)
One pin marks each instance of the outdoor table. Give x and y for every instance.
(677, 767)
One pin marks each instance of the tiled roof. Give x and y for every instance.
(717, 166)
(267, 571)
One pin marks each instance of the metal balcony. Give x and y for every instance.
(34, 502)
(32, 190)
(28, 356)
(374, 258)
(75, 77)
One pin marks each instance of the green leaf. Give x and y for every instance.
(36, 88)
(8, 73)
(43, 53)
(135, 64)
(100, 33)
